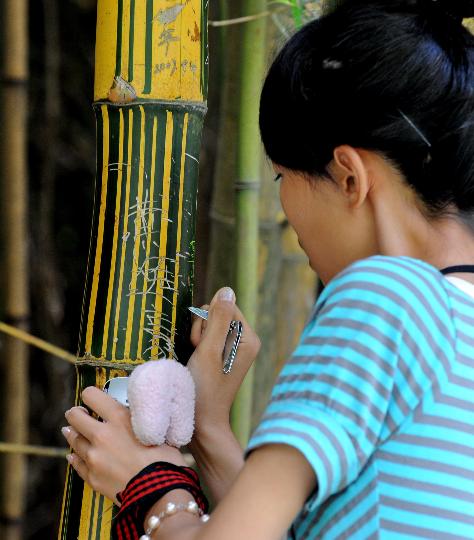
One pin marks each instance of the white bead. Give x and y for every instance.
(205, 518)
(145, 537)
(153, 523)
(170, 508)
(193, 507)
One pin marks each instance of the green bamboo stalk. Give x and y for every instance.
(247, 193)
(14, 200)
(220, 269)
(150, 92)
(285, 279)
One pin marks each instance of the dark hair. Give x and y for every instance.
(395, 77)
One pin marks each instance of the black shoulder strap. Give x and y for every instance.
(463, 269)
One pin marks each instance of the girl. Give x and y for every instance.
(367, 115)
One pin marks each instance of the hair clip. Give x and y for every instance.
(329, 63)
(416, 128)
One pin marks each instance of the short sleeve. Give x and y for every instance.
(355, 375)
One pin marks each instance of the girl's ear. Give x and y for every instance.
(350, 171)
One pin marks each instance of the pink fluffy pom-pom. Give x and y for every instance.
(161, 397)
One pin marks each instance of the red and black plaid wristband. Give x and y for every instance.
(148, 487)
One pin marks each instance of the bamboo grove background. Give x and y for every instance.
(48, 68)
(47, 169)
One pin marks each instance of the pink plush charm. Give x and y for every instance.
(161, 397)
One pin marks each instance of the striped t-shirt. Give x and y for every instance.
(379, 398)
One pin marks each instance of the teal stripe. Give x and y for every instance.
(432, 499)
(429, 474)
(359, 424)
(443, 435)
(406, 284)
(273, 425)
(358, 513)
(430, 521)
(376, 288)
(406, 322)
(338, 505)
(355, 359)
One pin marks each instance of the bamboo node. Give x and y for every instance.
(89, 360)
(32, 450)
(14, 81)
(121, 91)
(247, 186)
(239, 20)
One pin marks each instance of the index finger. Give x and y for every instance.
(101, 403)
(197, 328)
(82, 422)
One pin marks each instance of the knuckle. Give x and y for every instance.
(86, 393)
(74, 438)
(99, 438)
(214, 350)
(258, 342)
(92, 459)
(72, 415)
(122, 415)
(195, 337)
(93, 481)
(223, 309)
(255, 344)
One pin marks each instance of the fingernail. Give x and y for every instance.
(70, 458)
(66, 431)
(227, 294)
(67, 412)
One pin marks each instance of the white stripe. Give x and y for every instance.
(462, 284)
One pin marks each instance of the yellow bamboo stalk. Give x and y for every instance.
(25, 337)
(32, 450)
(149, 93)
(14, 199)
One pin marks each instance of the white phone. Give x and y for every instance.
(117, 388)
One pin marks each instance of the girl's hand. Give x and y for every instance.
(107, 454)
(215, 391)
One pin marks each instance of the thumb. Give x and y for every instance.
(221, 312)
(226, 294)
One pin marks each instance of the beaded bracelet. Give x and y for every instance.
(147, 488)
(171, 508)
